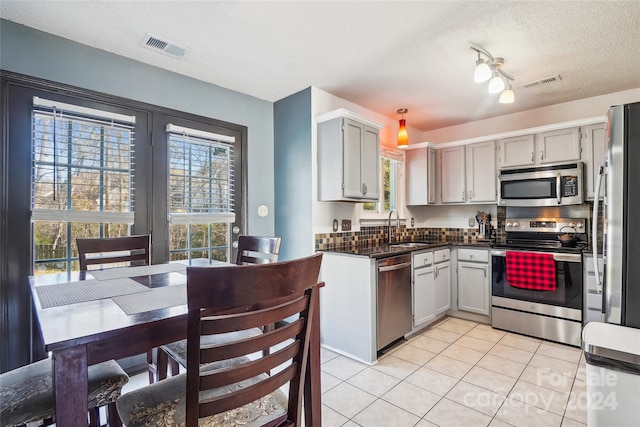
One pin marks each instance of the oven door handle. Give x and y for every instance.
(556, 256)
(558, 186)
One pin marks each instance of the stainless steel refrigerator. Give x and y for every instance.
(621, 225)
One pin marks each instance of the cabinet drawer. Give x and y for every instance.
(422, 259)
(441, 255)
(474, 255)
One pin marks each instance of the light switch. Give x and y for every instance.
(346, 225)
(263, 210)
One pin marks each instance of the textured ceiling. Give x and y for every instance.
(382, 55)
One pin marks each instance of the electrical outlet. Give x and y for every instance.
(346, 225)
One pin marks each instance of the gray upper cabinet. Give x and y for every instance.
(481, 172)
(594, 140)
(420, 173)
(561, 145)
(348, 159)
(516, 151)
(452, 176)
(555, 146)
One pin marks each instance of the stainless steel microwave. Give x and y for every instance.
(549, 185)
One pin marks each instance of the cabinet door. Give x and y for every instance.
(370, 164)
(594, 148)
(353, 133)
(481, 172)
(420, 173)
(424, 307)
(416, 176)
(431, 175)
(516, 151)
(473, 287)
(452, 175)
(558, 146)
(443, 287)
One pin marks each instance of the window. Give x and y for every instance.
(201, 196)
(390, 167)
(82, 180)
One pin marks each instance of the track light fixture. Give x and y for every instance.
(491, 69)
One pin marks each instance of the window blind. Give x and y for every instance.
(82, 164)
(200, 177)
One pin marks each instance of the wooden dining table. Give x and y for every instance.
(128, 311)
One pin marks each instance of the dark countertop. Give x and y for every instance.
(383, 251)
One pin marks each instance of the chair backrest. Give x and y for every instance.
(132, 249)
(257, 249)
(249, 296)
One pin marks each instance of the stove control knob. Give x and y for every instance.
(515, 224)
(580, 225)
(509, 224)
(572, 224)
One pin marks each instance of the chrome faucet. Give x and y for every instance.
(397, 222)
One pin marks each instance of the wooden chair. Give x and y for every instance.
(134, 250)
(257, 249)
(26, 393)
(251, 250)
(226, 381)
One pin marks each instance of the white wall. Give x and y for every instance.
(325, 212)
(553, 114)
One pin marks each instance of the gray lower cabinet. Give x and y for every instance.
(474, 293)
(442, 270)
(424, 304)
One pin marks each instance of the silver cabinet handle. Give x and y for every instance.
(541, 155)
(470, 194)
(532, 157)
(463, 195)
(364, 188)
(485, 271)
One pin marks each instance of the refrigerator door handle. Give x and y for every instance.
(594, 228)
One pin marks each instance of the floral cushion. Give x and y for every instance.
(26, 393)
(163, 404)
(178, 350)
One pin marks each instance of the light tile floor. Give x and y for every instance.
(455, 373)
(458, 373)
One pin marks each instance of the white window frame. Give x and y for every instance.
(380, 212)
(66, 213)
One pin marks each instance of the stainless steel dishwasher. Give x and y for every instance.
(394, 299)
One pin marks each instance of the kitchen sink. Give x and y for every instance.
(409, 245)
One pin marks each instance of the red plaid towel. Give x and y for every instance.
(531, 271)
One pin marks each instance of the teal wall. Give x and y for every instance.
(293, 174)
(34, 53)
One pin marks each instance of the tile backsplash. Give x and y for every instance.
(379, 235)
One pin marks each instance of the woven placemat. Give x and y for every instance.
(141, 270)
(159, 298)
(86, 290)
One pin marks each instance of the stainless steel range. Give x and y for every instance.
(537, 284)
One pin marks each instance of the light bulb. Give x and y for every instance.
(482, 72)
(496, 84)
(507, 96)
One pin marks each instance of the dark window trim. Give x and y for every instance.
(17, 350)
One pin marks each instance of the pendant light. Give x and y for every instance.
(403, 136)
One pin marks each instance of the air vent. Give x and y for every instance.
(543, 82)
(159, 45)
